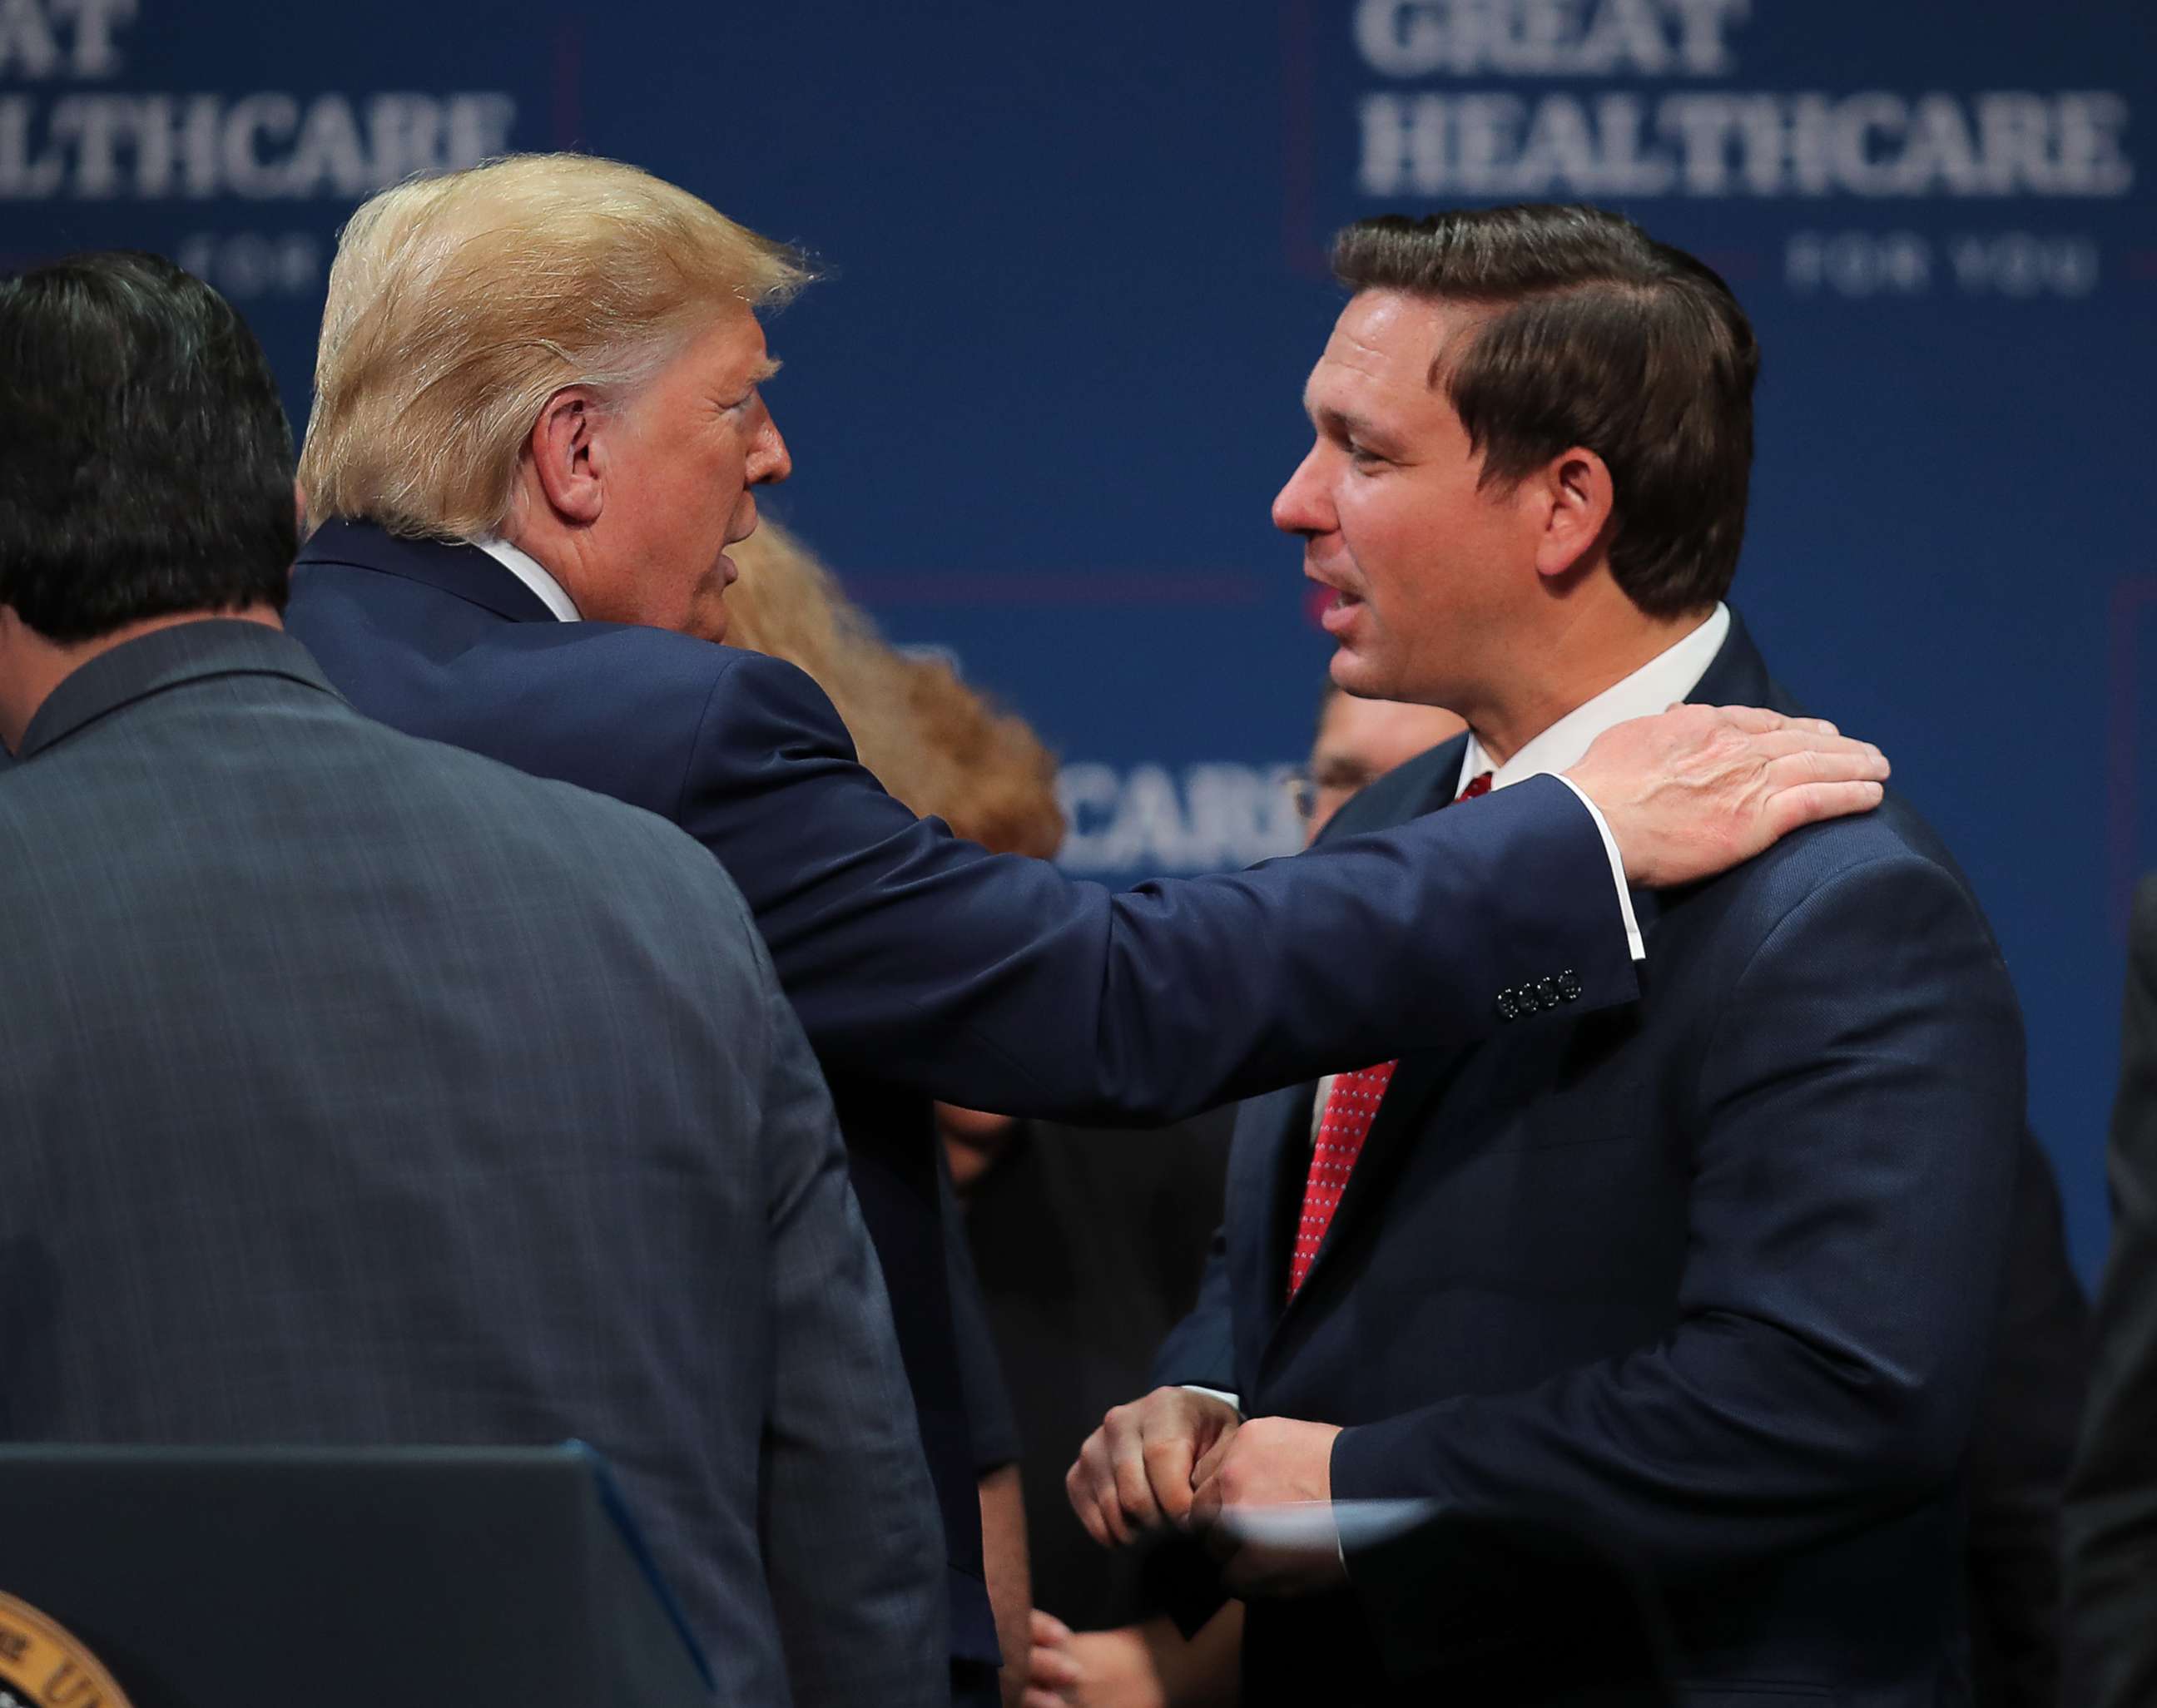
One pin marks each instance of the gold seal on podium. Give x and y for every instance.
(41, 1666)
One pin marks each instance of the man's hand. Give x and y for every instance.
(1133, 1472)
(1700, 789)
(1271, 1462)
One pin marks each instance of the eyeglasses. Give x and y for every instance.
(1303, 795)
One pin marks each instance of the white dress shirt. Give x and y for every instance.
(1658, 684)
(528, 569)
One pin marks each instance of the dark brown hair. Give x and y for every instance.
(146, 468)
(1601, 337)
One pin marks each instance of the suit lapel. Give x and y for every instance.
(1266, 1172)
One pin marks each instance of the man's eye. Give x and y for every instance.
(1363, 456)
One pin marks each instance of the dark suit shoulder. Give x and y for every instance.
(713, 692)
(628, 711)
(1890, 837)
(1841, 906)
(363, 789)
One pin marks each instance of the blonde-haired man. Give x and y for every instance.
(538, 426)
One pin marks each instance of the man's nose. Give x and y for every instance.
(770, 461)
(1299, 506)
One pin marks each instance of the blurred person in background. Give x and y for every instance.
(936, 746)
(1674, 1321)
(2112, 1502)
(1088, 1241)
(1358, 742)
(312, 1137)
(539, 422)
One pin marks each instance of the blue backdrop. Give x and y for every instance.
(1041, 405)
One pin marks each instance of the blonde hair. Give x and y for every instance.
(459, 304)
(932, 741)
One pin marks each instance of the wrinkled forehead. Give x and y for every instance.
(1396, 337)
(725, 343)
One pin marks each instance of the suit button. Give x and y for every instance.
(1546, 995)
(1507, 1009)
(1569, 986)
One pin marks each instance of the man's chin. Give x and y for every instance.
(706, 618)
(1353, 673)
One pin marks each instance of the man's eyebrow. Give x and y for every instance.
(765, 368)
(1342, 424)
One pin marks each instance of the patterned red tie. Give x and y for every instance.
(1350, 1106)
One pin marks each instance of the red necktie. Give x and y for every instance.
(1350, 1106)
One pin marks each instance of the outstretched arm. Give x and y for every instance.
(1000, 983)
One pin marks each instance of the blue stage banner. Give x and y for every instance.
(1074, 260)
(235, 137)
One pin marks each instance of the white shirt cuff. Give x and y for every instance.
(1617, 870)
(1233, 1401)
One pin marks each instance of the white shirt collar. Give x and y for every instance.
(1664, 680)
(528, 569)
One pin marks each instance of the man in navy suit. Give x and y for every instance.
(1668, 1322)
(538, 424)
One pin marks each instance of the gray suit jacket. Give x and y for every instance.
(359, 1089)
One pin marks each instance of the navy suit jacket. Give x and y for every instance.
(922, 966)
(1680, 1307)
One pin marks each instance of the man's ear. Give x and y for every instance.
(567, 454)
(1575, 499)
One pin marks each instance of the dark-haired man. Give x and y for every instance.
(1673, 1321)
(361, 1090)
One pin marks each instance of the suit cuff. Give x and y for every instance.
(1617, 870)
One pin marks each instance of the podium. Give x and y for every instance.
(254, 1577)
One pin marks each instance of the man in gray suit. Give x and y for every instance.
(359, 1090)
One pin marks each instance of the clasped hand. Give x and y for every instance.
(1182, 1459)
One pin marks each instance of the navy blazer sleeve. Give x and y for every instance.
(1858, 1109)
(1001, 983)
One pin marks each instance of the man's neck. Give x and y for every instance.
(31, 667)
(1560, 672)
